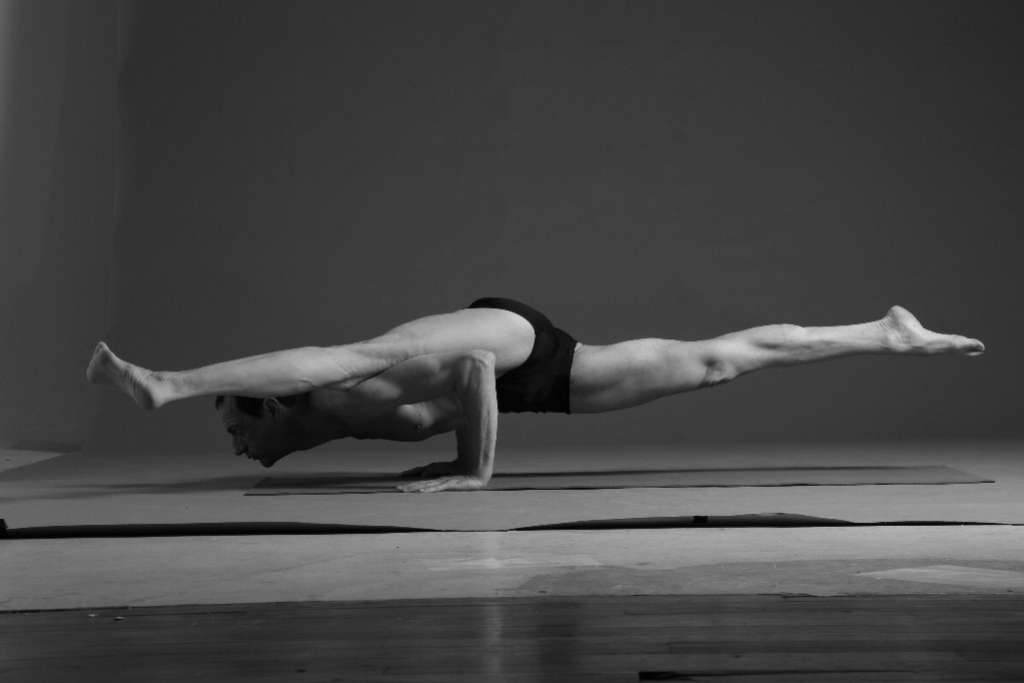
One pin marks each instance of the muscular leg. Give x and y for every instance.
(295, 371)
(280, 373)
(630, 373)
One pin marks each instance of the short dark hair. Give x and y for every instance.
(254, 406)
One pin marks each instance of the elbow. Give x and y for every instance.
(474, 370)
(478, 361)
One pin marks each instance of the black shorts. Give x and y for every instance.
(541, 384)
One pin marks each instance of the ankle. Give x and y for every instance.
(162, 386)
(893, 338)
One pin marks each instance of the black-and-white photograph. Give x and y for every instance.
(511, 340)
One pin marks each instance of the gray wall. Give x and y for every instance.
(58, 122)
(314, 172)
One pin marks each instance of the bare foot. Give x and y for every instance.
(906, 334)
(137, 382)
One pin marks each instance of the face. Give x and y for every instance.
(259, 438)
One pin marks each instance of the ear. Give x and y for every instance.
(272, 407)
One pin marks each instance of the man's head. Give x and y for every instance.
(264, 429)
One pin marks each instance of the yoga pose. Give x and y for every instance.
(456, 371)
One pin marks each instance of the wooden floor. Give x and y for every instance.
(753, 639)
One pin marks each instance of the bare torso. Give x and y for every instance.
(338, 417)
(334, 413)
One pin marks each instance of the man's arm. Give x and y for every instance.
(469, 378)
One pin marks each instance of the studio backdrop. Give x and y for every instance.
(296, 173)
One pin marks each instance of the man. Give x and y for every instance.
(456, 371)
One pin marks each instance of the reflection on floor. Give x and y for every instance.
(97, 572)
(689, 638)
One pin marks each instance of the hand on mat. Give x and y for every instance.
(434, 469)
(461, 482)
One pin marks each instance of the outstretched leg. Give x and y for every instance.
(296, 371)
(280, 373)
(630, 373)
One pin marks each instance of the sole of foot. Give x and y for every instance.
(107, 369)
(907, 334)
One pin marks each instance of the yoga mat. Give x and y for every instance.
(374, 482)
(13, 458)
(163, 492)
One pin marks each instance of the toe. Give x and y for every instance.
(971, 347)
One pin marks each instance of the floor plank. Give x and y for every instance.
(716, 638)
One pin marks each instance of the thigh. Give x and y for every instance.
(507, 335)
(631, 373)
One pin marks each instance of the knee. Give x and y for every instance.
(686, 365)
(718, 370)
(724, 359)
